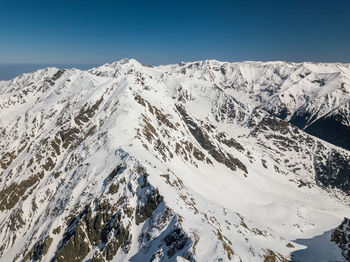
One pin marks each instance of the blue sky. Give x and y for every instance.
(160, 32)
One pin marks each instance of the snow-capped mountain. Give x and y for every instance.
(202, 161)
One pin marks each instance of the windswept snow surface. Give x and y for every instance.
(184, 162)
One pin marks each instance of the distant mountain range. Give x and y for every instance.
(11, 70)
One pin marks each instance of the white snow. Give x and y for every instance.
(263, 210)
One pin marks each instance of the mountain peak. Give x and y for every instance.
(127, 61)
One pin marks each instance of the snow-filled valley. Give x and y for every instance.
(202, 161)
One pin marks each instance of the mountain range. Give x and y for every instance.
(196, 161)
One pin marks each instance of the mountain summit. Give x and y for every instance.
(197, 161)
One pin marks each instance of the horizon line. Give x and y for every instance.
(188, 61)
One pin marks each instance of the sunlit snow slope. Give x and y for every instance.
(195, 161)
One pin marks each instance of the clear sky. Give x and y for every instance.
(160, 32)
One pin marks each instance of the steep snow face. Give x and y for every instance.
(186, 162)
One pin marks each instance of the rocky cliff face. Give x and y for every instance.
(341, 236)
(190, 162)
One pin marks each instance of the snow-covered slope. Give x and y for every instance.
(315, 97)
(127, 162)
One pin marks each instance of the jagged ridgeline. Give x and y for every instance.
(203, 161)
